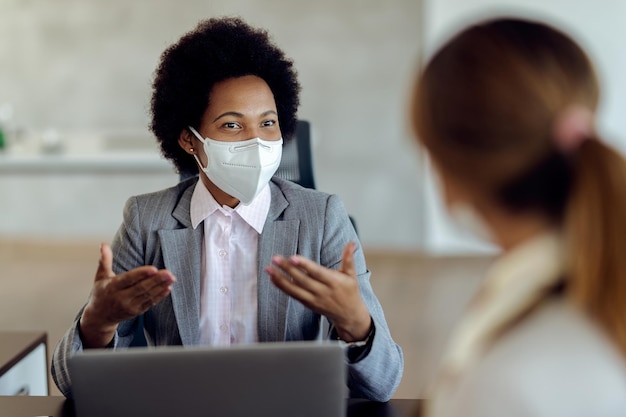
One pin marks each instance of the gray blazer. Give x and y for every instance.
(157, 230)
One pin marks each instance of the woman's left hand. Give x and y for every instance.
(332, 293)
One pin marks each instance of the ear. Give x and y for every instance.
(185, 140)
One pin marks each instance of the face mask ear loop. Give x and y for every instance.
(198, 161)
(201, 139)
(196, 134)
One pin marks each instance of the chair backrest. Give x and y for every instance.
(297, 162)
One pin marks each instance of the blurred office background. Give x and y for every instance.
(75, 82)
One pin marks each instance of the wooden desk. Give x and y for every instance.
(23, 363)
(57, 406)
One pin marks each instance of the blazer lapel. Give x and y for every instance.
(279, 237)
(182, 255)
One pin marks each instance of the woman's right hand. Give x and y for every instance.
(115, 298)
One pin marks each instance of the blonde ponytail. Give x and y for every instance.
(595, 226)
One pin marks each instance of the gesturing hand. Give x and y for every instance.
(115, 298)
(332, 293)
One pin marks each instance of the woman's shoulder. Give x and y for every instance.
(158, 208)
(556, 359)
(173, 193)
(292, 189)
(560, 332)
(300, 197)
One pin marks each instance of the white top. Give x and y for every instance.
(228, 291)
(553, 362)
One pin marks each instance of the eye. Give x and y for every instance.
(268, 123)
(231, 125)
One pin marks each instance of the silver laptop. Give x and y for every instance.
(296, 379)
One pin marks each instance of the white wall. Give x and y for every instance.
(87, 64)
(596, 24)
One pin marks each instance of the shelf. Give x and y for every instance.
(105, 162)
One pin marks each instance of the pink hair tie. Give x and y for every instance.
(572, 127)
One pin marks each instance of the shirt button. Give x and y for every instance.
(223, 327)
(222, 253)
(224, 290)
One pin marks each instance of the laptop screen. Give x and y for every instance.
(306, 379)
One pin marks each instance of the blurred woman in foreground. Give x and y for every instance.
(506, 112)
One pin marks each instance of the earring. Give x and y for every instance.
(191, 150)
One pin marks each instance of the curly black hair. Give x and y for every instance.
(216, 50)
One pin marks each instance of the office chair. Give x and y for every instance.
(297, 162)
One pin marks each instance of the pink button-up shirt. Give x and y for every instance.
(228, 300)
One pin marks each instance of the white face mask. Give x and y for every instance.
(240, 169)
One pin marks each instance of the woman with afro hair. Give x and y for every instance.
(202, 263)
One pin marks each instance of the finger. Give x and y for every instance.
(282, 282)
(153, 300)
(324, 275)
(347, 260)
(152, 287)
(139, 298)
(136, 276)
(298, 276)
(105, 264)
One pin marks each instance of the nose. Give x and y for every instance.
(254, 132)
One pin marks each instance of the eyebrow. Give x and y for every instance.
(240, 115)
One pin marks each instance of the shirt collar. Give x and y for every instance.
(203, 205)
